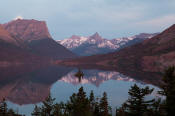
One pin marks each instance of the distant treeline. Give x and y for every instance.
(80, 104)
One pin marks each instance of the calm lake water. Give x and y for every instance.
(28, 85)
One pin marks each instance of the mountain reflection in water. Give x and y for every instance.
(29, 86)
(95, 77)
(25, 85)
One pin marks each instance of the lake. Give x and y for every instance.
(24, 86)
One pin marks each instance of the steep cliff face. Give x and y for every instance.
(11, 51)
(28, 30)
(6, 37)
(33, 37)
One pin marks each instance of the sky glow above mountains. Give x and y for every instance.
(111, 18)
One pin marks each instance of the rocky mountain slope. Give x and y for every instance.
(10, 50)
(5, 36)
(150, 57)
(28, 30)
(95, 44)
(29, 39)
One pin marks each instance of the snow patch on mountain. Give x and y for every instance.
(73, 42)
(94, 42)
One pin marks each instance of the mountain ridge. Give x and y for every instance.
(28, 30)
(146, 59)
(5, 36)
(24, 41)
(95, 44)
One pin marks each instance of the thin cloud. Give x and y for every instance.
(112, 18)
(160, 21)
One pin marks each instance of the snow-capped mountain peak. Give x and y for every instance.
(96, 36)
(73, 42)
(96, 44)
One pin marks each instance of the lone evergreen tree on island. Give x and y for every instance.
(79, 75)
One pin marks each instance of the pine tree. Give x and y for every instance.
(79, 104)
(168, 89)
(121, 112)
(36, 111)
(12, 113)
(92, 101)
(3, 107)
(97, 107)
(157, 108)
(4, 111)
(48, 106)
(104, 108)
(58, 109)
(136, 105)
